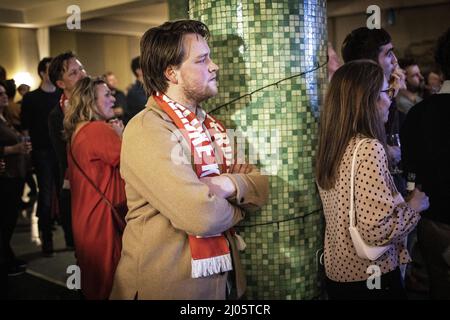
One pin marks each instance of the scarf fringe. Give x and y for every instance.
(210, 266)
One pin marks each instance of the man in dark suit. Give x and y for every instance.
(425, 137)
(136, 97)
(65, 71)
(36, 107)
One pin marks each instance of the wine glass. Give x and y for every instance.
(2, 166)
(27, 141)
(394, 141)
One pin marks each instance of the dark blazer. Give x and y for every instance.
(136, 100)
(425, 140)
(55, 130)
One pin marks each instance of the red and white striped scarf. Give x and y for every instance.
(210, 255)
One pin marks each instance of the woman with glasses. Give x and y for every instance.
(94, 143)
(356, 108)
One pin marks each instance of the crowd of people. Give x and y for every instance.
(94, 149)
(382, 149)
(34, 135)
(85, 165)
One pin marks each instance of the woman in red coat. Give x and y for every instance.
(94, 148)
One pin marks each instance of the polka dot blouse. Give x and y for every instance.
(382, 216)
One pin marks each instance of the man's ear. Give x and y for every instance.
(171, 74)
(60, 84)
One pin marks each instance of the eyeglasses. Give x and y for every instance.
(390, 92)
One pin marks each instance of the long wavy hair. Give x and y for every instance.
(350, 109)
(82, 105)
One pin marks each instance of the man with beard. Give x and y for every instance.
(183, 188)
(408, 97)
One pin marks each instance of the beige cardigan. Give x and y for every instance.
(167, 202)
(382, 215)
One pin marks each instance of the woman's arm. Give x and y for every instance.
(381, 212)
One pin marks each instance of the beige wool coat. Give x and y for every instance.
(167, 202)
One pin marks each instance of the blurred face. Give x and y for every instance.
(387, 59)
(434, 80)
(384, 101)
(414, 79)
(196, 76)
(139, 73)
(74, 71)
(45, 76)
(105, 101)
(112, 81)
(3, 98)
(333, 61)
(23, 90)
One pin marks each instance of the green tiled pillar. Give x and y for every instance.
(178, 9)
(255, 44)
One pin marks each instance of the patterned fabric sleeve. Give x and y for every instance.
(382, 215)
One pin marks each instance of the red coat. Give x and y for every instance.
(96, 148)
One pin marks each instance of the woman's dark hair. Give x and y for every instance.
(162, 47)
(10, 88)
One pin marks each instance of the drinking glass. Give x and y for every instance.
(394, 140)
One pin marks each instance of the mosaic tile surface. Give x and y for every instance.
(178, 9)
(257, 43)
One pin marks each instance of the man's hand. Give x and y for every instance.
(221, 186)
(20, 148)
(398, 80)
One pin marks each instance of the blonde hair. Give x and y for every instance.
(82, 105)
(350, 108)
